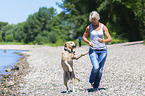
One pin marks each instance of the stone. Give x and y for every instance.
(10, 83)
(8, 70)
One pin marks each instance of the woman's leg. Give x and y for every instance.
(95, 63)
(102, 59)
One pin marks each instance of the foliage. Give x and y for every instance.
(42, 38)
(2, 24)
(59, 42)
(1, 39)
(18, 32)
(37, 23)
(7, 30)
(11, 43)
(44, 27)
(120, 16)
(124, 19)
(9, 38)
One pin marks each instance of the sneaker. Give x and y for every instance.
(92, 90)
(95, 86)
(95, 89)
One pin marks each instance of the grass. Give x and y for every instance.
(62, 42)
(11, 43)
(115, 40)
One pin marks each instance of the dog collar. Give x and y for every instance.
(69, 51)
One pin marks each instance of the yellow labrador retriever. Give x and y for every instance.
(67, 62)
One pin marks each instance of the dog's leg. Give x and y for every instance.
(66, 78)
(69, 67)
(73, 84)
(77, 78)
(73, 78)
(77, 57)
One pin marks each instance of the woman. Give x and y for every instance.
(98, 49)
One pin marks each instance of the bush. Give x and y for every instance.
(46, 37)
(1, 39)
(9, 38)
(60, 42)
(52, 37)
(42, 39)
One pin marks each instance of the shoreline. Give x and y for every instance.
(9, 83)
(7, 67)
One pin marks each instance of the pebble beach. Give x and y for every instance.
(123, 73)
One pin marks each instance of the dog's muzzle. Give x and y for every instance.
(74, 45)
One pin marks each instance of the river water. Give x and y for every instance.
(8, 59)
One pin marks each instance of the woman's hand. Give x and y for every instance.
(101, 40)
(91, 44)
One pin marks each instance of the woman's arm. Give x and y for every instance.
(86, 33)
(109, 39)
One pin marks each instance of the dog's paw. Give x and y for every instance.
(70, 69)
(84, 54)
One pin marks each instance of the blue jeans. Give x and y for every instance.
(98, 58)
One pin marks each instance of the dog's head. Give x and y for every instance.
(70, 45)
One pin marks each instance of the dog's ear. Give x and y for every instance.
(65, 45)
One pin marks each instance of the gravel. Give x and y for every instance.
(123, 74)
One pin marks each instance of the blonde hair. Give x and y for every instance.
(94, 16)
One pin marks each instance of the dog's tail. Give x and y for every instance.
(77, 78)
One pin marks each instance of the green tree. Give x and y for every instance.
(37, 23)
(2, 24)
(18, 32)
(124, 17)
(7, 30)
(42, 38)
(77, 13)
(52, 37)
(121, 17)
(1, 39)
(9, 38)
(61, 27)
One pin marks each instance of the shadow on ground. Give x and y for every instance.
(94, 90)
(89, 90)
(68, 92)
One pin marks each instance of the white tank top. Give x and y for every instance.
(95, 35)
